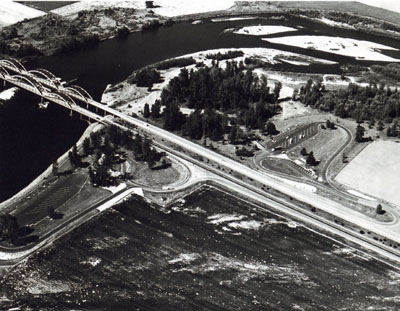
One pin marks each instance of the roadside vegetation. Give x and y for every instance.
(108, 148)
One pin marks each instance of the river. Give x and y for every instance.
(31, 138)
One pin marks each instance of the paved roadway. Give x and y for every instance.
(307, 197)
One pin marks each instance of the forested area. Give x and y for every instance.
(389, 71)
(105, 146)
(222, 99)
(372, 103)
(223, 56)
(176, 62)
(347, 18)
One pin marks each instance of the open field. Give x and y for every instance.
(224, 255)
(375, 171)
(292, 109)
(359, 49)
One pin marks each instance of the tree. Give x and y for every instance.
(330, 125)
(311, 160)
(379, 210)
(303, 151)
(86, 146)
(295, 94)
(55, 168)
(74, 157)
(96, 139)
(380, 125)
(155, 109)
(149, 4)
(360, 130)
(146, 110)
(233, 135)
(270, 128)
(277, 90)
(216, 133)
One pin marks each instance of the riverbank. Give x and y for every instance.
(83, 24)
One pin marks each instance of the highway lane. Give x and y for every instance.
(238, 186)
(387, 230)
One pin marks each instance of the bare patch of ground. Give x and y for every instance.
(293, 109)
(375, 171)
(344, 46)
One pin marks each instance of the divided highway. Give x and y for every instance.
(225, 165)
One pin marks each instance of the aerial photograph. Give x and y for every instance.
(214, 155)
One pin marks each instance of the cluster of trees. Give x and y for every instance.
(223, 56)
(105, 146)
(310, 160)
(330, 125)
(74, 157)
(153, 24)
(244, 152)
(176, 62)
(391, 71)
(347, 18)
(21, 50)
(369, 103)
(146, 77)
(394, 130)
(214, 93)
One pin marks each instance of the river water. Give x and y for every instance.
(31, 138)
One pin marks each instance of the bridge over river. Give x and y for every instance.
(47, 86)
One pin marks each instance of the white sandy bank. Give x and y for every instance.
(13, 12)
(166, 8)
(263, 30)
(7, 94)
(363, 50)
